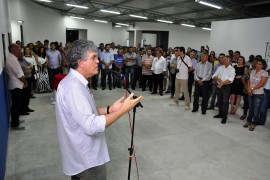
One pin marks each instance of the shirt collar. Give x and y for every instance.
(79, 77)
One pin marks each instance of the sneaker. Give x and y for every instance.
(53, 103)
(187, 108)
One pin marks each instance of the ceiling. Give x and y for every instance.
(178, 11)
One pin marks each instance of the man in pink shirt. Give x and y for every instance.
(16, 83)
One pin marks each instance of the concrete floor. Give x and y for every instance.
(170, 143)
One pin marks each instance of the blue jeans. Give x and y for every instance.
(130, 70)
(255, 105)
(265, 105)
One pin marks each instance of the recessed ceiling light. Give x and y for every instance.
(188, 25)
(164, 21)
(75, 17)
(121, 24)
(108, 11)
(101, 21)
(20, 21)
(45, 0)
(77, 6)
(208, 29)
(136, 16)
(210, 4)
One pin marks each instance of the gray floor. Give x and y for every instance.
(170, 143)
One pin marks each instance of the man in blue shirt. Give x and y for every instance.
(118, 67)
(106, 60)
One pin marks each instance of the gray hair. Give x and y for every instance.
(78, 51)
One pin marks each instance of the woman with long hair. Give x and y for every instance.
(237, 85)
(43, 84)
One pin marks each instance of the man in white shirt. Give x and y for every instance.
(80, 123)
(159, 69)
(184, 66)
(224, 76)
(16, 83)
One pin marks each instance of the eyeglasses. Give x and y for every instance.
(93, 58)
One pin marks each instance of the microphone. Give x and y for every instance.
(118, 74)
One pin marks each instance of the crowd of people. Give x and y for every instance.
(221, 81)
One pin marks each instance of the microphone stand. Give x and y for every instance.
(132, 132)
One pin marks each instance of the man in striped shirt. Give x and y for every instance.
(147, 60)
(202, 76)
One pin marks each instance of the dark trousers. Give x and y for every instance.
(204, 90)
(51, 73)
(173, 76)
(190, 83)
(130, 70)
(16, 106)
(138, 76)
(94, 81)
(26, 96)
(95, 173)
(149, 79)
(214, 95)
(117, 81)
(223, 95)
(104, 73)
(158, 81)
(245, 97)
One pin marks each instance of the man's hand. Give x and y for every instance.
(129, 103)
(200, 82)
(116, 105)
(25, 84)
(219, 80)
(219, 85)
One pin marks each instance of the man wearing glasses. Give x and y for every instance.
(224, 76)
(80, 123)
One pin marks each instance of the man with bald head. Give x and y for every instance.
(16, 83)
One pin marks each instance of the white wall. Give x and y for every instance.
(178, 35)
(43, 23)
(150, 38)
(4, 29)
(15, 30)
(120, 35)
(82, 33)
(249, 36)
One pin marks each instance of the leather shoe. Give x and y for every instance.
(24, 113)
(203, 112)
(194, 110)
(217, 116)
(161, 94)
(246, 125)
(21, 121)
(224, 120)
(182, 98)
(29, 110)
(103, 88)
(18, 128)
(153, 92)
(210, 108)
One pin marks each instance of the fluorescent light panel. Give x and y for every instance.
(208, 29)
(77, 6)
(101, 21)
(121, 24)
(164, 21)
(108, 11)
(211, 5)
(117, 26)
(188, 25)
(136, 16)
(75, 17)
(45, 0)
(20, 21)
